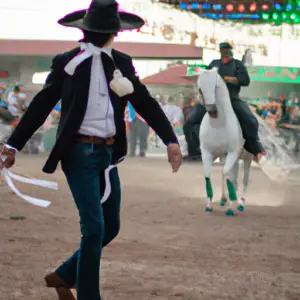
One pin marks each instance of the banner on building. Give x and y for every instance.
(262, 73)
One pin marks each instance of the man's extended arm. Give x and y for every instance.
(40, 107)
(150, 110)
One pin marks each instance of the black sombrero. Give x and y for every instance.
(102, 16)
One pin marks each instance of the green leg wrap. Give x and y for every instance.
(209, 190)
(231, 190)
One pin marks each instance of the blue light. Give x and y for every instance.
(210, 16)
(205, 6)
(278, 6)
(254, 17)
(242, 16)
(183, 6)
(288, 7)
(194, 6)
(217, 6)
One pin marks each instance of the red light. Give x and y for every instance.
(4, 74)
(241, 8)
(229, 7)
(265, 7)
(252, 7)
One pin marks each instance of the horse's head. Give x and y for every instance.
(210, 86)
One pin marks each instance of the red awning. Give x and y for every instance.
(172, 75)
(136, 50)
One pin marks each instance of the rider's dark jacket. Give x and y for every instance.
(234, 68)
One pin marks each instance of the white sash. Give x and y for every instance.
(9, 177)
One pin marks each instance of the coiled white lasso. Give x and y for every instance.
(9, 177)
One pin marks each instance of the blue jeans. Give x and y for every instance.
(99, 224)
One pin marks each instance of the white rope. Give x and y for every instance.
(107, 191)
(9, 177)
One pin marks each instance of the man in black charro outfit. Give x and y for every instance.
(94, 83)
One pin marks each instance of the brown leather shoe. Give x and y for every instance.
(62, 289)
(64, 294)
(54, 281)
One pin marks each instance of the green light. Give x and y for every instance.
(265, 16)
(277, 18)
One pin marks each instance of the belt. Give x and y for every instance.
(86, 139)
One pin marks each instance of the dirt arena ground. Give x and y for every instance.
(168, 247)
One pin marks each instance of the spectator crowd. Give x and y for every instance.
(13, 103)
(282, 112)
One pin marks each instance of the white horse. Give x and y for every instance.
(221, 134)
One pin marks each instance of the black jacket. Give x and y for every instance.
(234, 68)
(73, 93)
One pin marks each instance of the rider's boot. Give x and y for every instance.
(255, 147)
(261, 155)
(261, 158)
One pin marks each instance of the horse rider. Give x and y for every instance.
(236, 75)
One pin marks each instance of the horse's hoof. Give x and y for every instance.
(223, 202)
(208, 209)
(240, 208)
(229, 212)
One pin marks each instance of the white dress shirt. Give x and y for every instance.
(99, 117)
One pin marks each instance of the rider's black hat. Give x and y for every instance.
(225, 45)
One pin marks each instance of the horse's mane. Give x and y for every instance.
(205, 71)
(208, 83)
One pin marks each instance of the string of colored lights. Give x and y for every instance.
(272, 12)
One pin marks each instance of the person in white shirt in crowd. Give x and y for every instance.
(15, 101)
(173, 111)
(13, 105)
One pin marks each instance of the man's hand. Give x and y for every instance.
(231, 79)
(8, 157)
(174, 156)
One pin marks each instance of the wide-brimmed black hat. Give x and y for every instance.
(102, 16)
